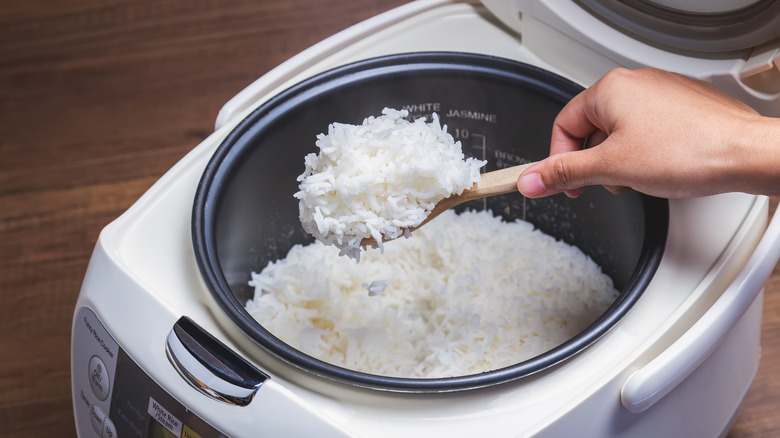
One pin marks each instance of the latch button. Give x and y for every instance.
(210, 366)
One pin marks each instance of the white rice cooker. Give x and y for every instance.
(158, 352)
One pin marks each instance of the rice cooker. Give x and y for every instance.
(162, 345)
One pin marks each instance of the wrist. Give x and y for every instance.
(759, 172)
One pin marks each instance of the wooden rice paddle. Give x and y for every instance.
(498, 182)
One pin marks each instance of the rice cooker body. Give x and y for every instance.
(244, 214)
(142, 264)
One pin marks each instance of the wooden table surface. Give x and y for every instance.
(97, 100)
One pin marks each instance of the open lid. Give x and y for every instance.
(702, 26)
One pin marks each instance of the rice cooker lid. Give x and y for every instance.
(713, 26)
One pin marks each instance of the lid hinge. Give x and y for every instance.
(763, 59)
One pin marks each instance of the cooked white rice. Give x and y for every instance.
(468, 294)
(380, 179)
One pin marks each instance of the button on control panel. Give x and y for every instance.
(98, 377)
(101, 423)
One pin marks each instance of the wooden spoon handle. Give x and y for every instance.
(499, 182)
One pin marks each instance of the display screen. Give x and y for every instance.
(141, 409)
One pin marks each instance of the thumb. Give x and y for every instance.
(565, 172)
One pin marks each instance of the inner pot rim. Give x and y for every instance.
(217, 172)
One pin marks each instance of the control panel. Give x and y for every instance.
(114, 397)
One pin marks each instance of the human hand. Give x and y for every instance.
(659, 133)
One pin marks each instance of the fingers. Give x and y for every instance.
(576, 127)
(580, 134)
(565, 172)
(574, 123)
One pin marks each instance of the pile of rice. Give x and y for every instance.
(468, 294)
(380, 179)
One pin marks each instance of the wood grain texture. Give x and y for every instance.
(97, 100)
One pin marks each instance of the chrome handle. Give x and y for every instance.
(210, 366)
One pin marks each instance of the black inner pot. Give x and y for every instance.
(245, 215)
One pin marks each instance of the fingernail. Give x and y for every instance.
(531, 184)
(574, 192)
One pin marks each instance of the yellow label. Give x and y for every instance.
(189, 433)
